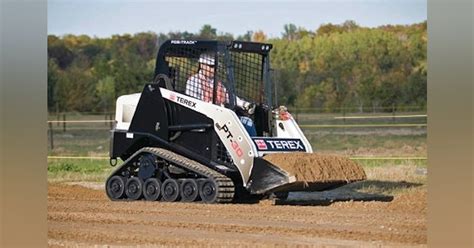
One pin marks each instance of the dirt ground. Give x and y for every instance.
(81, 216)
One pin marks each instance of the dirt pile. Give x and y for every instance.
(311, 167)
(411, 202)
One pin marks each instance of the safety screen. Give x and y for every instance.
(188, 76)
(206, 76)
(248, 76)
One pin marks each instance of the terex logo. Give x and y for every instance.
(172, 97)
(261, 144)
(185, 101)
(282, 144)
(278, 144)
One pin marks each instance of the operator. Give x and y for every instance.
(201, 85)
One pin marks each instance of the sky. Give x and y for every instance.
(104, 18)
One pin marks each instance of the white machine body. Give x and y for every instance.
(287, 136)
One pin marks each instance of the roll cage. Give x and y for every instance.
(241, 67)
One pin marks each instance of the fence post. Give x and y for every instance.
(64, 122)
(110, 120)
(51, 135)
(344, 115)
(393, 113)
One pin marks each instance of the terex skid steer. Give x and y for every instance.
(177, 146)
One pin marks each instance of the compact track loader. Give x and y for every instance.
(179, 143)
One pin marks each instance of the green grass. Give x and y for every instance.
(80, 143)
(338, 118)
(370, 144)
(392, 178)
(389, 188)
(422, 163)
(78, 170)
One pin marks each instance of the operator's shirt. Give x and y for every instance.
(200, 87)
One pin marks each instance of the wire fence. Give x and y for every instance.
(358, 109)
(293, 109)
(353, 158)
(87, 135)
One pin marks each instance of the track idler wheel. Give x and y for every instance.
(208, 191)
(134, 188)
(170, 190)
(152, 189)
(189, 190)
(115, 187)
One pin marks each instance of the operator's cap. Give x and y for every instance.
(207, 59)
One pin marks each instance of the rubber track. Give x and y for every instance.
(225, 186)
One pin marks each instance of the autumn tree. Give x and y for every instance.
(259, 36)
(337, 66)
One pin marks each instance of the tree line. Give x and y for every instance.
(335, 66)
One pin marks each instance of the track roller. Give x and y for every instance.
(208, 190)
(189, 190)
(115, 187)
(134, 188)
(170, 190)
(152, 189)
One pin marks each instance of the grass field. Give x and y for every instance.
(92, 170)
(360, 118)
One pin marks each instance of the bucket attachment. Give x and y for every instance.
(284, 172)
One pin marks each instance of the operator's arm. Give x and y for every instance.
(240, 102)
(222, 91)
(249, 107)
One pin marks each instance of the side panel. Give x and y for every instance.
(125, 109)
(227, 126)
(290, 129)
(198, 140)
(150, 115)
(118, 144)
(123, 144)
